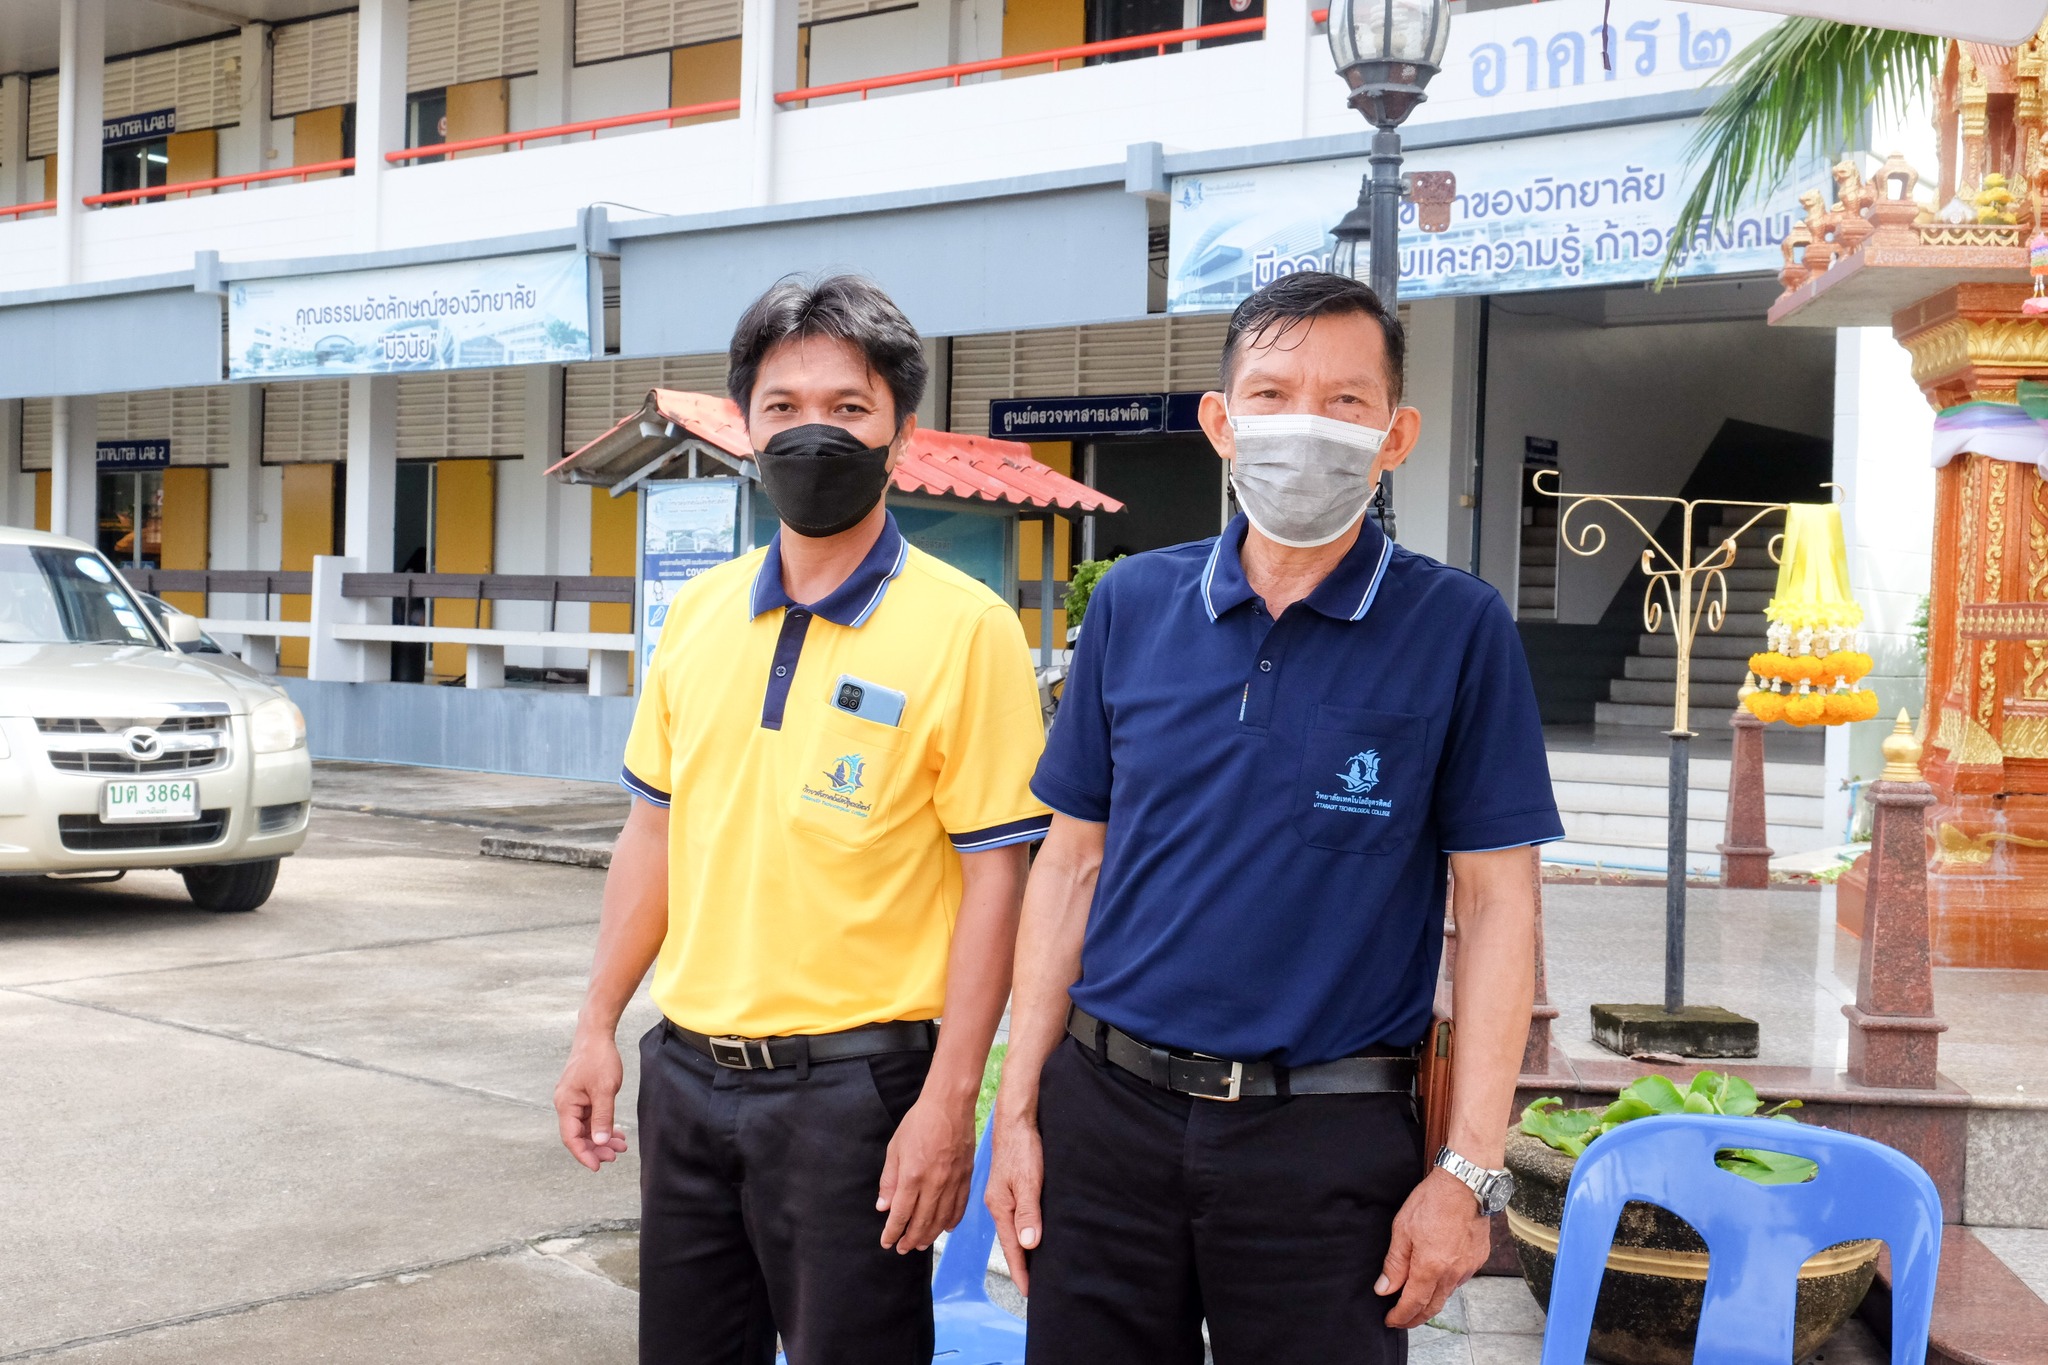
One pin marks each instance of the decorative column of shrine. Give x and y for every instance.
(1985, 723)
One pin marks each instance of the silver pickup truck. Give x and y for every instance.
(118, 750)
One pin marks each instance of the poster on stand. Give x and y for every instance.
(686, 527)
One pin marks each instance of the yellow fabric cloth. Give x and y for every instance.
(800, 902)
(1813, 572)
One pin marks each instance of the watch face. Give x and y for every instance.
(1499, 1190)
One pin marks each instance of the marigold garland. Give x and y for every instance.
(1808, 674)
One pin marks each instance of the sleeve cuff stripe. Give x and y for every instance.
(1519, 843)
(1000, 836)
(650, 795)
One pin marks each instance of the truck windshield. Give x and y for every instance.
(53, 596)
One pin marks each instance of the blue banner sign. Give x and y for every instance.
(533, 309)
(116, 456)
(138, 127)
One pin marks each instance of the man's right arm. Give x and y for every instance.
(629, 934)
(1049, 936)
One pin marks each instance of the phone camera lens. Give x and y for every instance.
(850, 697)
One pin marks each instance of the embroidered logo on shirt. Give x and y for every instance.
(1361, 772)
(846, 776)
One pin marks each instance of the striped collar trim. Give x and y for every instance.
(1347, 594)
(852, 602)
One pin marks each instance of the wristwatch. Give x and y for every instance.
(1492, 1189)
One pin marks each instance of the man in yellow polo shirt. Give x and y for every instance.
(825, 854)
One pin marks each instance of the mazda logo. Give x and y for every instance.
(143, 743)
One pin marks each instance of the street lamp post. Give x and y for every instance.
(1386, 51)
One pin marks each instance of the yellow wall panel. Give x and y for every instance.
(1035, 25)
(50, 176)
(187, 510)
(1030, 546)
(43, 500)
(465, 518)
(614, 526)
(702, 73)
(477, 110)
(194, 156)
(316, 137)
(308, 530)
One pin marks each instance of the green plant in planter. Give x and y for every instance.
(1571, 1130)
(1080, 583)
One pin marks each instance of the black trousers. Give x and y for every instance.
(1270, 1218)
(757, 1193)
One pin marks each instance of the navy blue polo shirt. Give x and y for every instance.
(1282, 796)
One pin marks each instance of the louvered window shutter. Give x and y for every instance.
(1156, 355)
(313, 64)
(305, 423)
(35, 434)
(596, 397)
(197, 80)
(42, 116)
(462, 414)
(606, 29)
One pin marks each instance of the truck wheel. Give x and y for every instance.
(230, 888)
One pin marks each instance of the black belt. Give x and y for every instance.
(766, 1054)
(1213, 1078)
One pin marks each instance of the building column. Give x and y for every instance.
(1432, 490)
(245, 148)
(14, 182)
(1884, 431)
(768, 48)
(82, 48)
(17, 490)
(74, 467)
(236, 505)
(370, 511)
(557, 57)
(380, 112)
(530, 516)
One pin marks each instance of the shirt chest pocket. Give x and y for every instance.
(849, 775)
(1364, 780)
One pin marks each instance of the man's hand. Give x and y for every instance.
(584, 1098)
(1440, 1241)
(1015, 1178)
(926, 1176)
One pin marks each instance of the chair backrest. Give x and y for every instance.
(1757, 1235)
(963, 1266)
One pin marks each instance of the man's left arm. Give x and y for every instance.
(1440, 1237)
(930, 1165)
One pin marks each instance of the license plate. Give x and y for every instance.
(177, 799)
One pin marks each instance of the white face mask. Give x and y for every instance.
(1301, 479)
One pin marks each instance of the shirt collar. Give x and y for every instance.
(1346, 595)
(852, 602)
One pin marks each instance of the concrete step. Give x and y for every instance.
(1730, 643)
(1538, 575)
(1703, 670)
(1535, 613)
(1705, 803)
(1763, 580)
(1648, 715)
(1653, 770)
(1538, 598)
(1720, 694)
(1702, 836)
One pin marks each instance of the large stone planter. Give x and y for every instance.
(1649, 1309)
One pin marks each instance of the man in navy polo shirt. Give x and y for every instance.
(1270, 748)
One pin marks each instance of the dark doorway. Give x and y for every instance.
(412, 551)
(1171, 488)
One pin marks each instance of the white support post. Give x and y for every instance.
(380, 108)
(245, 147)
(768, 49)
(17, 490)
(611, 672)
(15, 187)
(557, 58)
(486, 666)
(236, 503)
(529, 510)
(1443, 385)
(81, 71)
(260, 653)
(74, 467)
(332, 660)
(371, 505)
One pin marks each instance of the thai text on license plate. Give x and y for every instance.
(177, 799)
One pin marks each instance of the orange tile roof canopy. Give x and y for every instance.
(936, 463)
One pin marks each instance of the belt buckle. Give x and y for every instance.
(724, 1051)
(1230, 1092)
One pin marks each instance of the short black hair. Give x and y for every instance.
(848, 307)
(1291, 300)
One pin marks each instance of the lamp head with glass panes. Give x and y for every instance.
(1386, 51)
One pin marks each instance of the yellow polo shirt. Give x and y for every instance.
(814, 855)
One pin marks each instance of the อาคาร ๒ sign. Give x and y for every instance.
(534, 309)
(686, 527)
(116, 456)
(1558, 212)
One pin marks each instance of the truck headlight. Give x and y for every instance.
(276, 726)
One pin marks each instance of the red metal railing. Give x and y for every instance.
(220, 182)
(591, 126)
(16, 210)
(1138, 43)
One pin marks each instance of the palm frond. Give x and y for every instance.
(1806, 86)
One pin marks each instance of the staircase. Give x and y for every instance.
(1614, 808)
(1536, 593)
(1640, 700)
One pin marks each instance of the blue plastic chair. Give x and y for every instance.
(1757, 1235)
(970, 1329)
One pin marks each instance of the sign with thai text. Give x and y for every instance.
(1123, 414)
(138, 127)
(686, 527)
(116, 456)
(536, 309)
(1564, 211)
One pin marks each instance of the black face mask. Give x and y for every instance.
(821, 479)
